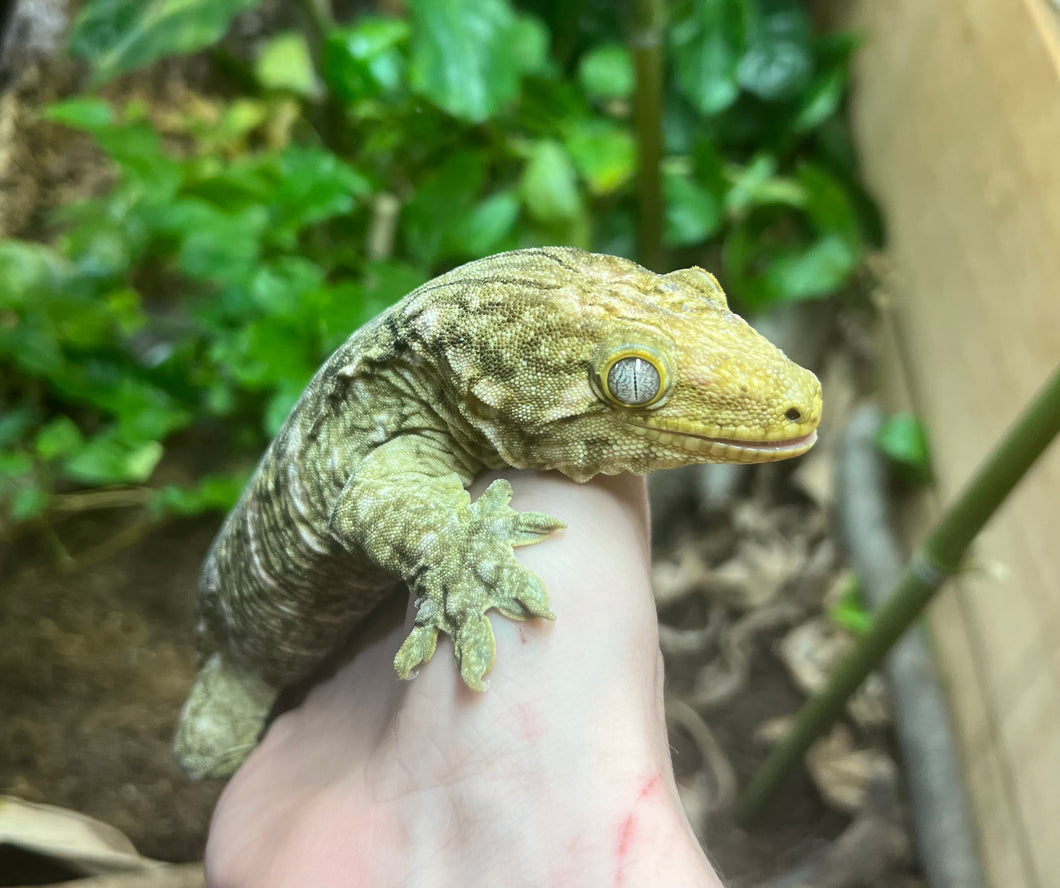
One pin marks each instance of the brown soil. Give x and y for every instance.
(94, 666)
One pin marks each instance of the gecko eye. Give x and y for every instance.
(633, 378)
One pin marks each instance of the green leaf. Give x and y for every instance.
(549, 184)
(821, 100)
(108, 459)
(58, 438)
(286, 64)
(280, 404)
(603, 153)
(136, 148)
(28, 502)
(757, 185)
(606, 72)
(829, 206)
(529, 46)
(14, 464)
(478, 232)
(365, 60)
(219, 247)
(796, 274)
(116, 36)
(461, 55)
(214, 493)
(14, 424)
(779, 58)
(849, 611)
(315, 185)
(83, 113)
(693, 213)
(706, 47)
(444, 195)
(27, 268)
(903, 440)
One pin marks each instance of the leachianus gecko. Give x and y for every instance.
(541, 358)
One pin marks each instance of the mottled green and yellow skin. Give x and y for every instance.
(543, 358)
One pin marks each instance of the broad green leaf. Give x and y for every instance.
(603, 153)
(461, 55)
(549, 184)
(693, 213)
(315, 185)
(757, 185)
(529, 45)
(821, 100)
(903, 440)
(444, 196)
(286, 64)
(365, 60)
(478, 232)
(116, 36)
(58, 438)
(822, 96)
(282, 287)
(280, 405)
(706, 47)
(797, 273)
(829, 206)
(26, 268)
(779, 58)
(223, 248)
(606, 72)
(28, 502)
(14, 423)
(387, 282)
(83, 113)
(107, 459)
(131, 143)
(14, 464)
(214, 493)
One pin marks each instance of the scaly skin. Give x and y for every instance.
(543, 358)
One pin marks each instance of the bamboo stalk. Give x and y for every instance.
(937, 558)
(646, 42)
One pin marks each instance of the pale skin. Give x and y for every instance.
(559, 776)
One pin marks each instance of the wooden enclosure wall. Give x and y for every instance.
(956, 112)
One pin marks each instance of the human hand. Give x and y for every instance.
(560, 774)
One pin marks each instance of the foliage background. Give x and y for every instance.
(338, 164)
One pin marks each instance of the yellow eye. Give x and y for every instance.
(633, 377)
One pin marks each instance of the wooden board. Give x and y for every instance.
(956, 114)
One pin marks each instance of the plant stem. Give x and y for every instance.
(646, 45)
(87, 500)
(937, 558)
(321, 19)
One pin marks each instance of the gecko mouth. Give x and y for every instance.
(729, 449)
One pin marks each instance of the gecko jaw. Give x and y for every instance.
(729, 449)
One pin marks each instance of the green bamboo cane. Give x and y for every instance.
(646, 43)
(937, 558)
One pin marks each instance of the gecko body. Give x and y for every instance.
(547, 358)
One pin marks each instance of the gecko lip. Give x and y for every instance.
(730, 449)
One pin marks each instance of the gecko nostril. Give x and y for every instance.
(794, 414)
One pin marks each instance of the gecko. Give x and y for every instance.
(546, 358)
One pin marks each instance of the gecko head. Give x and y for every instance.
(591, 364)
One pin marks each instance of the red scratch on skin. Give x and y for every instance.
(649, 787)
(628, 829)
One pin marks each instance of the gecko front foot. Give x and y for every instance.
(475, 572)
